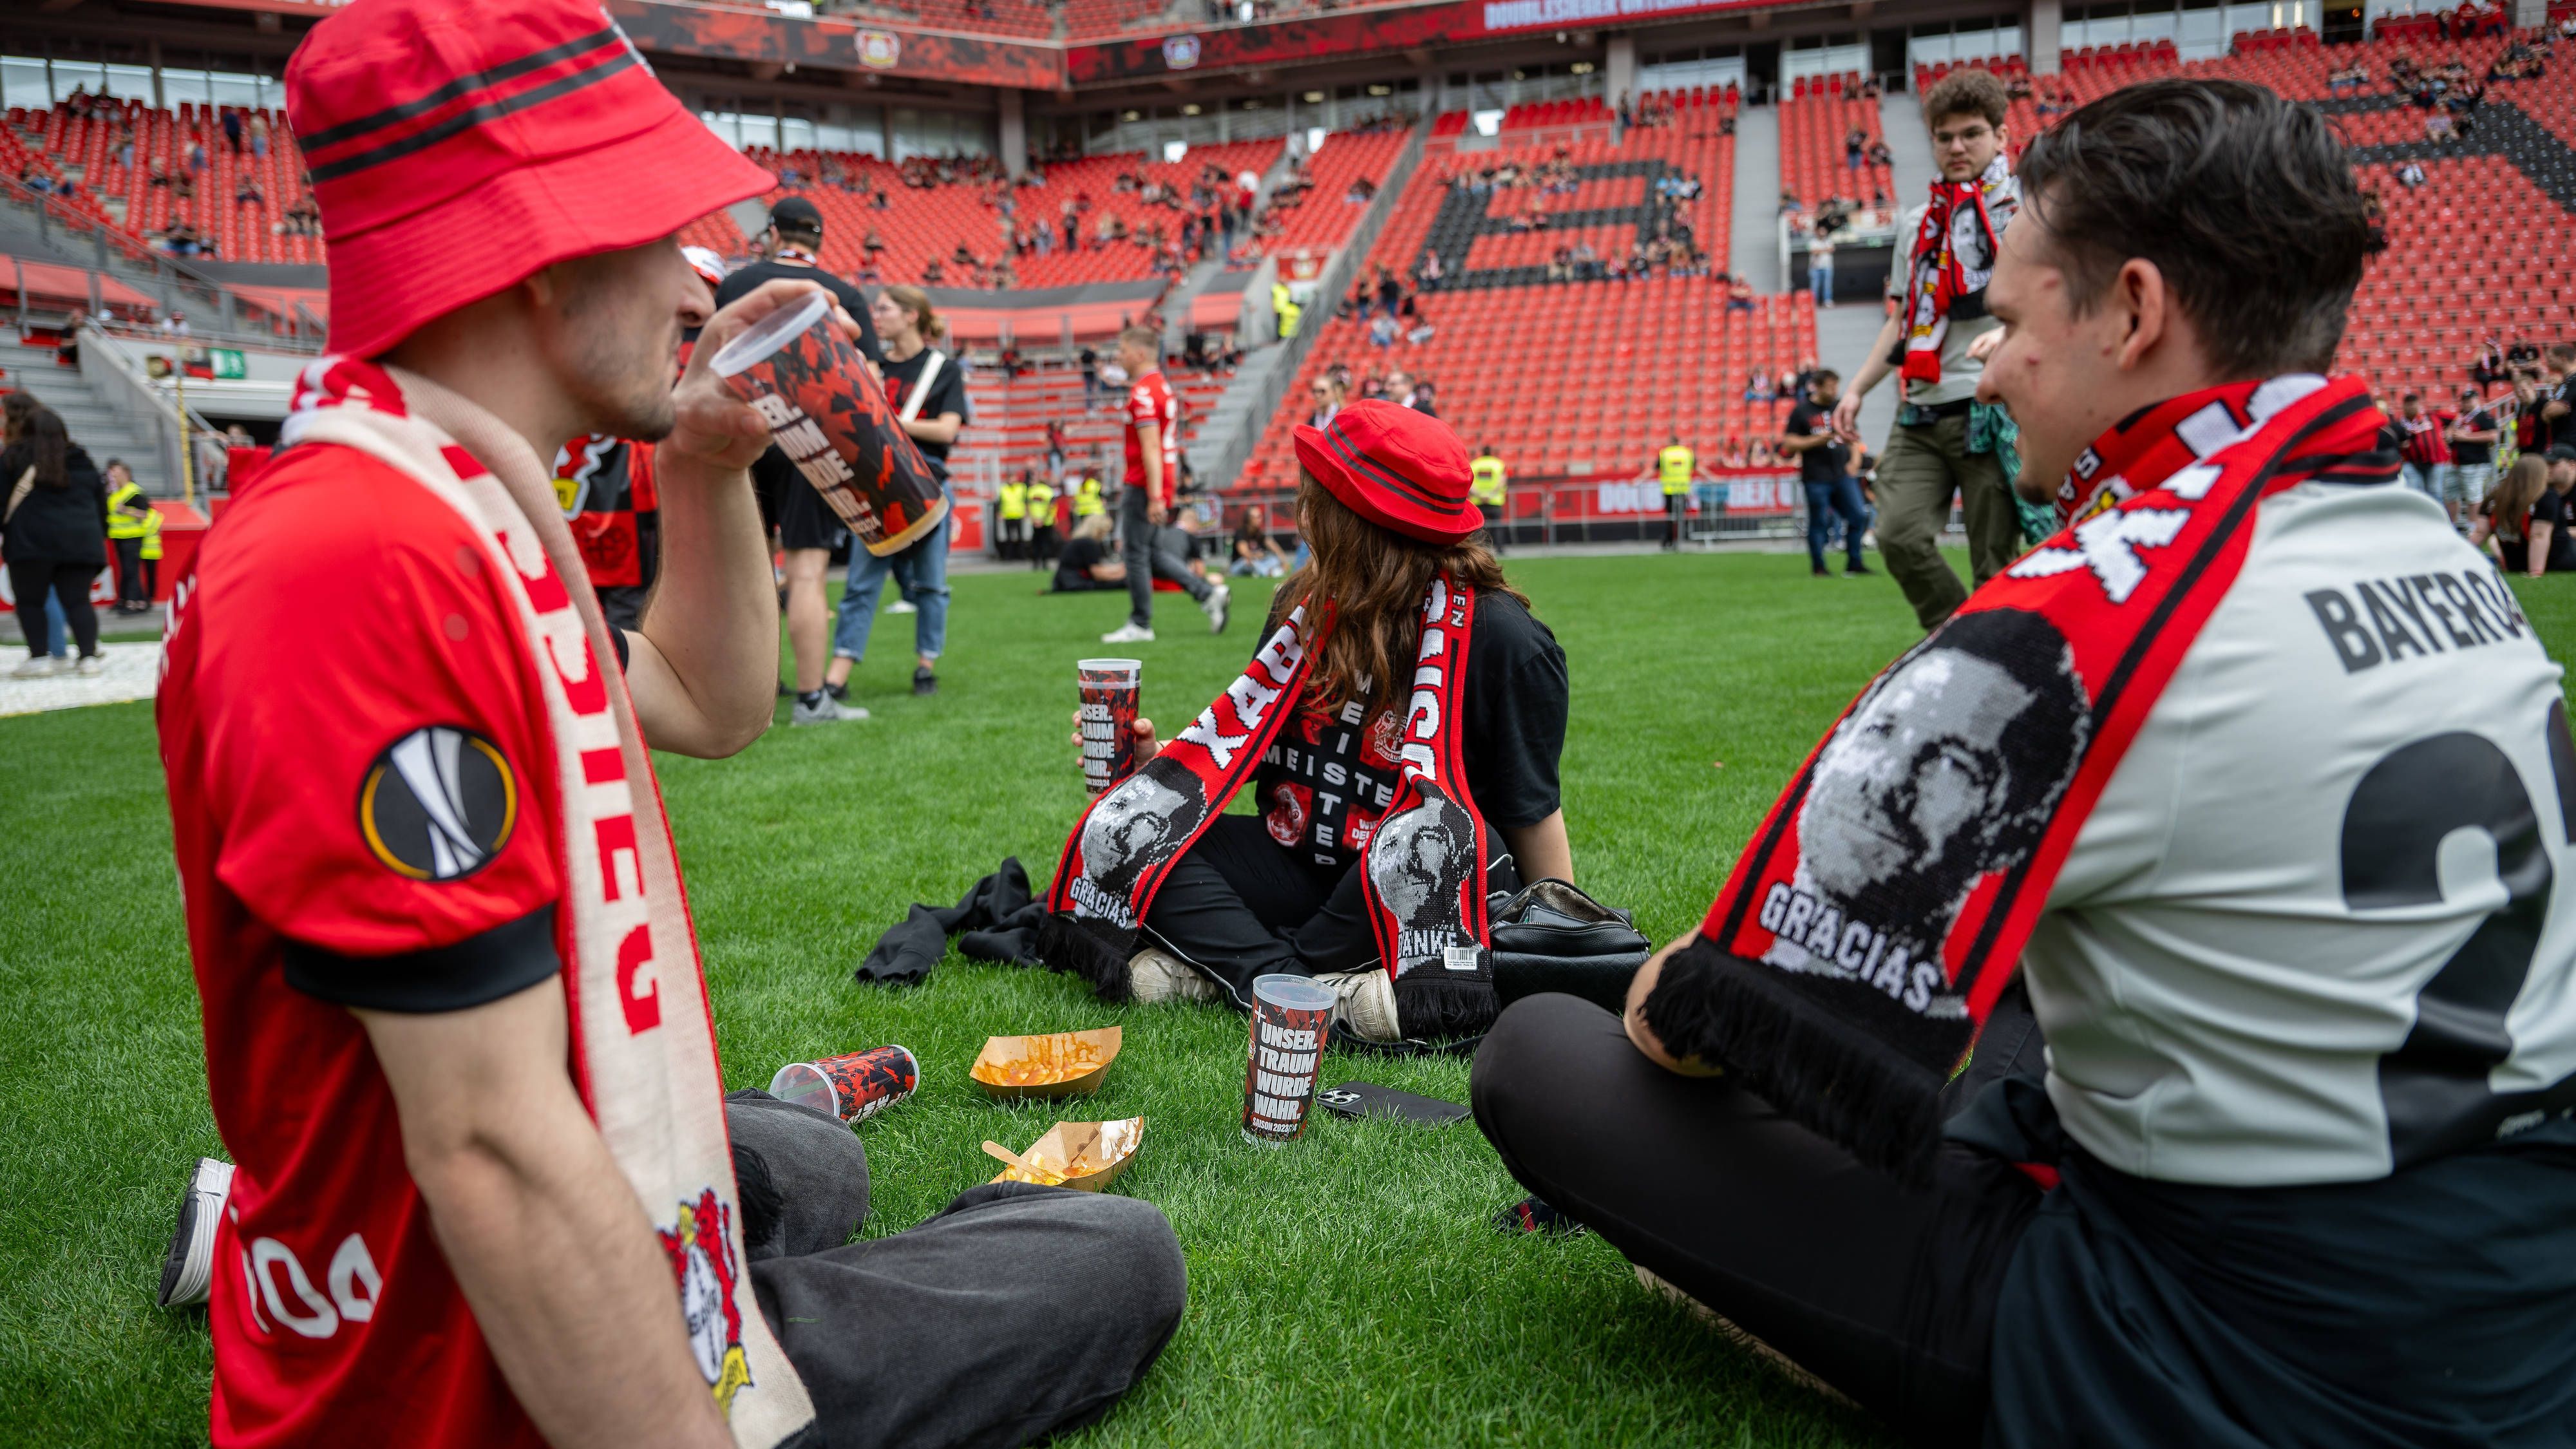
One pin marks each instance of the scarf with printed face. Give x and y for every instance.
(1954, 257)
(1882, 907)
(1423, 868)
(644, 1053)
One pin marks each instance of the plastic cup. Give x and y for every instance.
(1291, 1016)
(1110, 689)
(833, 422)
(853, 1087)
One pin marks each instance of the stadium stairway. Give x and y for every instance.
(1753, 231)
(95, 426)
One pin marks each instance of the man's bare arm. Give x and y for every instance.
(1150, 448)
(1872, 369)
(703, 669)
(547, 1242)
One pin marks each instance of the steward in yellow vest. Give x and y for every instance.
(131, 520)
(1485, 481)
(1674, 465)
(1286, 307)
(1087, 499)
(1013, 516)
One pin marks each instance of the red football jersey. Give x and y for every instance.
(358, 760)
(1151, 406)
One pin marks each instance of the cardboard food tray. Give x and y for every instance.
(1103, 1147)
(1002, 1051)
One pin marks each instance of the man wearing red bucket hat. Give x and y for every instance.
(1405, 715)
(489, 1190)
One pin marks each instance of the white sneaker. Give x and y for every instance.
(1154, 976)
(1368, 1002)
(903, 606)
(41, 666)
(92, 664)
(1214, 607)
(1128, 634)
(188, 1268)
(826, 710)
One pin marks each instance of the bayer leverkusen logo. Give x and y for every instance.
(438, 804)
(880, 49)
(1181, 52)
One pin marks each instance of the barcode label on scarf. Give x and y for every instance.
(1458, 958)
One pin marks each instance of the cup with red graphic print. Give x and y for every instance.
(1110, 689)
(853, 1087)
(830, 417)
(1291, 1016)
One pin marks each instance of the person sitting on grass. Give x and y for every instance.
(1399, 727)
(2296, 1166)
(1089, 562)
(1255, 551)
(488, 1188)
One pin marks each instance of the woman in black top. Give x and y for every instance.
(1277, 891)
(2525, 523)
(55, 540)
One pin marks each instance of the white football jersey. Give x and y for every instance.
(2319, 924)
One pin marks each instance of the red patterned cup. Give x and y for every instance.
(1110, 689)
(853, 1087)
(1291, 1016)
(832, 420)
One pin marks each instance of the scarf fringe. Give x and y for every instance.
(1431, 1008)
(1828, 1073)
(1093, 950)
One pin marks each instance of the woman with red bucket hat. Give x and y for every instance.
(1400, 728)
(489, 1190)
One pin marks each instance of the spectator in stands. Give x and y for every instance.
(1326, 393)
(53, 532)
(1945, 443)
(1089, 562)
(1820, 271)
(808, 530)
(2472, 435)
(1255, 551)
(259, 137)
(232, 123)
(2427, 457)
(1758, 388)
(247, 192)
(196, 155)
(1856, 148)
(1739, 295)
(1401, 390)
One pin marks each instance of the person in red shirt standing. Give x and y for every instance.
(2422, 445)
(1153, 436)
(487, 1190)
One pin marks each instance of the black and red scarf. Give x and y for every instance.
(1954, 257)
(1866, 932)
(1423, 867)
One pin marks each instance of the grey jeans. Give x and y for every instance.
(1148, 560)
(1016, 1313)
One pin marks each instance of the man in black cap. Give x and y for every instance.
(807, 528)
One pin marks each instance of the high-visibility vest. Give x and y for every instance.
(1287, 308)
(1015, 500)
(152, 535)
(1041, 506)
(1486, 488)
(1675, 465)
(121, 524)
(1087, 500)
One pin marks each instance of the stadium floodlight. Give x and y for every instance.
(1488, 123)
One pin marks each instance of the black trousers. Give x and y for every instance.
(1041, 545)
(1494, 526)
(1147, 561)
(1010, 537)
(29, 579)
(1885, 1292)
(129, 572)
(1676, 507)
(1014, 1313)
(1237, 906)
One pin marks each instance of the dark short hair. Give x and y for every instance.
(2562, 352)
(1823, 374)
(2411, 397)
(1967, 93)
(2244, 201)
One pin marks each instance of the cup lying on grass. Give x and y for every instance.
(854, 1087)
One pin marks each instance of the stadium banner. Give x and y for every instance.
(1285, 42)
(662, 27)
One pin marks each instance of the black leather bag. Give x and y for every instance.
(1553, 937)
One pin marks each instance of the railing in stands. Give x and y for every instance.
(113, 378)
(168, 282)
(1282, 374)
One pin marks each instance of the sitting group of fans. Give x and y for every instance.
(2177, 793)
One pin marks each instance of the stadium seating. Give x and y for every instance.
(1324, 220)
(1011, 414)
(923, 224)
(1814, 121)
(86, 150)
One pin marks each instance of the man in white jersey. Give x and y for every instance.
(2295, 1165)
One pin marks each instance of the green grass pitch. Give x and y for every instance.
(1345, 1291)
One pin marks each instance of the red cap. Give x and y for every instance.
(459, 146)
(1393, 467)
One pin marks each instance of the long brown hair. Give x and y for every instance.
(1376, 579)
(2522, 486)
(37, 439)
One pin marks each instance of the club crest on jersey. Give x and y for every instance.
(438, 804)
(700, 1246)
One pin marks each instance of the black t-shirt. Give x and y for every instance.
(2551, 508)
(1327, 779)
(851, 298)
(947, 395)
(1826, 462)
(2471, 455)
(1080, 556)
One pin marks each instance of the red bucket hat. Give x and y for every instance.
(1395, 468)
(458, 147)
